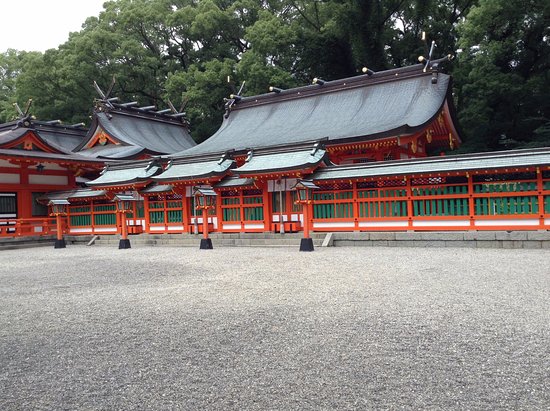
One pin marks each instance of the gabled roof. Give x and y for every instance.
(112, 152)
(141, 130)
(283, 159)
(232, 182)
(157, 189)
(74, 195)
(127, 173)
(192, 169)
(57, 137)
(58, 158)
(365, 107)
(460, 163)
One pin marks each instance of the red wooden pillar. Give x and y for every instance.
(123, 226)
(355, 207)
(24, 197)
(409, 204)
(59, 227)
(205, 223)
(241, 209)
(540, 188)
(146, 214)
(185, 214)
(471, 205)
(305, 211)
(267, 208)
(219, 211)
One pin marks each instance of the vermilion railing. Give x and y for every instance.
(482, 201)
(19, 227)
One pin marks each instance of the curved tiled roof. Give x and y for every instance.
(59, 137)
(143, 131)
(112, 152)
(180, 171)
(466, 162)
(128, 173)
(389, 103)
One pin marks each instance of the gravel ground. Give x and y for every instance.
(274, 329)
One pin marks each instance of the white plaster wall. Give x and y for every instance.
(45, 179)
(9, 178)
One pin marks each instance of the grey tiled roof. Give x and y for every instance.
(80, 193)
(194, 170)
(7, 135)
(157, 188)
(141, 130)
(64, 139)
(126, 174)
(48, 156)
(112, 151)
(234, 182)
(262, 163)
(470, 162)
(57, 136)
(360, 107)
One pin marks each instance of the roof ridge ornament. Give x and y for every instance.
(176, 113)
(104, 100)
(233, 97)
(368, 71)
(24, 120)
(249, 155)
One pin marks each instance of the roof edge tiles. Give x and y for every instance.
(156, 188)
(234, 182)
(281, 161)
(43, 156)
(56, 136)
(363, 80)
(76, 194)
(128, 173)
(469, 162)
(192, 169)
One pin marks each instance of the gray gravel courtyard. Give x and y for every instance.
(274, 329)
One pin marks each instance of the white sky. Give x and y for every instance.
(38, 25)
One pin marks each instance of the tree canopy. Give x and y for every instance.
(185, 50)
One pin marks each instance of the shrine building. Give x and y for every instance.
(377, 148)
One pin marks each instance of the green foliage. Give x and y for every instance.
(186, 49)
(503, 73)
(12, 64)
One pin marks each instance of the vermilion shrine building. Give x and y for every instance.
(371, 143)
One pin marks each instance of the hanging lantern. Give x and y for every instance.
(123, 202)
(304, 189)
(204, 197)
(123, 205)
(59, 207)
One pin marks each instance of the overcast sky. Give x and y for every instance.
(38, 25)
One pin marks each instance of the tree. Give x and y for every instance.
(12, 63)
(503, 72)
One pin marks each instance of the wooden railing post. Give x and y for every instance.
(471, 205)
(410, 213)
(540, 189)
